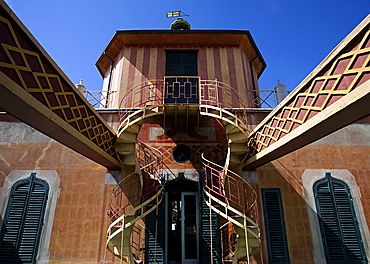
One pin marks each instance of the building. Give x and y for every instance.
(181, 162)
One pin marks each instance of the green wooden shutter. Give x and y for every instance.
(21, 230)
(338, 223)
(275, 227)
(181, 63)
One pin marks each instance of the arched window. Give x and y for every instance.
(23, 221)
(338, 223)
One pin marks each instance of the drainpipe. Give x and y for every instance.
(110, 78)
(253, 82)
(251, 66)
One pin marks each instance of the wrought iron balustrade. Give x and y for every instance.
(173, 90)
(264, 98)
(100, 99)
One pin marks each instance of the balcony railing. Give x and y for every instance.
(180, 90)
(183, 90)
(99, 99)
(264, 98)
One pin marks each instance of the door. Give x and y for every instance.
(183, 228)
(189, 222)
(180, 86)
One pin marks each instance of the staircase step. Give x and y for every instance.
(148, 112)
(130, 218)
(230, 128)
(129, 159)
(253, 243)
(134, 128)
(235, 159)
(238, 137)
(215, 112)
(125, 148)
(238, 148)
(127, 137)
(117, 240)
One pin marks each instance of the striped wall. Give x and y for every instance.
(136, 64)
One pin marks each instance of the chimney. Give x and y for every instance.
(81, 87)
(280, 91)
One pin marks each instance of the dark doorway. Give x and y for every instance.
(183, 209)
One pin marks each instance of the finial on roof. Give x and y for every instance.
(180, 24)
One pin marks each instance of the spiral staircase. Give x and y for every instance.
(224, 191)
(234, 199)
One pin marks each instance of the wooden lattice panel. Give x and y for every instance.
(341, 76)
(25, 63)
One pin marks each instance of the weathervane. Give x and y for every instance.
(178, 13)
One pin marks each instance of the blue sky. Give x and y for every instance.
(292, 36)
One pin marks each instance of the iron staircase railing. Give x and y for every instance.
(136, 196)
(234, 199)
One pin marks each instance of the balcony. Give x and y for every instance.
(183, 90)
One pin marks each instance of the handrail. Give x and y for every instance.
(231, 217)
(99, 99)
(217, 92)
(224, 115)
(126, 217)
(120, 224)
(154, 93)
(264, 98)
(228, 185)
(242, 214)
(129, 117)
(133, 211)
(115, 211)
(157, 171)
(151, 160)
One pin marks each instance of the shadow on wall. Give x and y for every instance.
(325, 230)
(294, 213)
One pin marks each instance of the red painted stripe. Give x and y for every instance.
(202, 64)
(246, 73)
(160, 71)
(146, 63)
(217, 63)
(232, 74)
(131, 69)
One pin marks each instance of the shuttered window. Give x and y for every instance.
(181, 90)
(21, 229)
(275, 227)
(338, 223)
(181, 63)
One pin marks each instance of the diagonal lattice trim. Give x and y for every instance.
(349, 70)
(25, 64)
